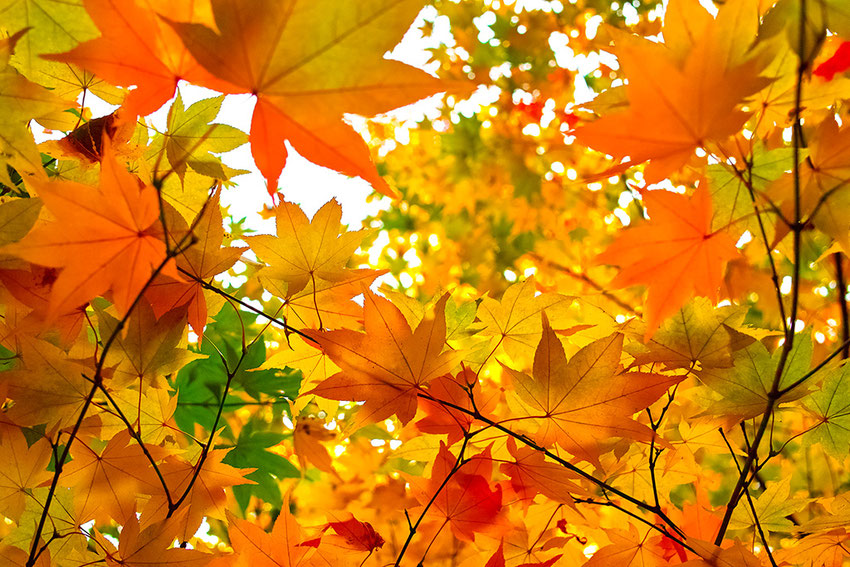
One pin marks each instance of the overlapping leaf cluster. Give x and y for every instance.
(179, 390)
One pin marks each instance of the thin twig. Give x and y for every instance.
(750, 502)
(563, 462)
(775, 392)
(841, 297)
(248, 306)
(413, 527)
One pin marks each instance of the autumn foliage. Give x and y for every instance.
(600, 319)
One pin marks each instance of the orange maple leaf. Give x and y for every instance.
(630, 548)
(307, 441)
(326, 304)
(443, 419)
(531, 475)
(258, 548)
(22, 468)
(467, 501)
(675, 254)
(143, 547)
(498, 559)
(308, 63)
(206, 496)
(32, 287)
(710, 555)
(681, 96)
(205, 259)
(582, 403)
(137, 48)
(105, 239)
(110, 481)
(47, 387)
(388, 365)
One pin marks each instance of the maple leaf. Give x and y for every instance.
(467, 501)
(104, 239)
(327, 304)
(442, 418)
(387, 366)
(712, 555)
(51, 27)
(630, 548)
(150, 414)
(580, 404)
(838, 63)
(258, 548)
(515, 319)
(357, 535)
(256, 447)
(498, 559)
(206, 496)
(730, 186)
(305, 251)
(308, 63)
(22, 468)
(773, 507)
(818, 550)
(111, 480)
(64, 525)
(830, 406)
(17, 218)
(151, 546)
(777, 101)
(675, 253)
(48, 388)
(32, 287)
(698, 520)
(345, 547)
(823, 182)
(149, 349)
(742, 389)
(86, 140)
(201, 261)
(681, 95)
(137, 48)
(315, 367)
(22, 100)
(191, 139)
(15, 557)
(531, 475)
(307, 437)
(697, 333)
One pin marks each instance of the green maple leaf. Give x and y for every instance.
(742, 389)
(251, 450)
(830, 405)
(772, 508)
(192, 138)
(698, 333)
(730, 194)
